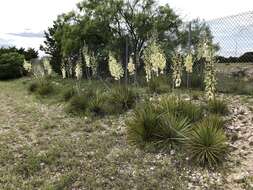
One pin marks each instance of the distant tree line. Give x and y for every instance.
(245, 58)
(11, 61)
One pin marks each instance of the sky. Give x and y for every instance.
(22, 22)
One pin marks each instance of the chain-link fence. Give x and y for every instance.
(234, 35)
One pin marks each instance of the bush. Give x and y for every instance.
(11, 65)
(217, 107)
(215, 121)
(78, 105)
(159, 85)
(121, 99)
(33, 87)
(45, 88)
(181, 108)
(69, 93)
(97, 105)
(149, 127)
(207, 144)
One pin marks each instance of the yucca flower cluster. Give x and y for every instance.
(47, 67)
(154, 59)
(188, 63)
(115, 68)
(131, 66)
(63, 71)
(27, 66)
(210, 79)
(177, 67)
(79, 71)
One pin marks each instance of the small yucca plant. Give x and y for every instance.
(122, 98)
(217, 107)
(78, 105)
(149, 127)
(181, 108)
(159, 85)
(69, 93)
(207, 144)
(97, 104)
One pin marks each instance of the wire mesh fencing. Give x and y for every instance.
(234, 35)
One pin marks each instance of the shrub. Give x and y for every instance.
(11, 65)
(78, 105)
(207, 144)
(159, 85)
(215, 121)
(69, 93)
(45, 88)
(97, 104)
(217, 107)
(149, 127)
(33, 87)
(181, 108)
(121, 98)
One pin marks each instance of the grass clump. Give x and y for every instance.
(41, 87)
(217, 107)
(159, 85)
(78, 104)
(97, 104)
(207, 144)
(68, 93)
(181, 108)
(121, 98)
(149, 127)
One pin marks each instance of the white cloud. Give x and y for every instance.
(209, 9)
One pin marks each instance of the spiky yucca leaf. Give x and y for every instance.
(149, 126)
(207, 144)
(217, 107)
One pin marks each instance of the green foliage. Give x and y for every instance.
(215, 121)
(68, 93)
(148, 126)
(97, 104)
(207, 144)
(217, 107)
(78, 104)
(121, 98)
(181, 108)
(41, 87)
(45, 88)
(33, 87)
(11, 65)
(159, 85)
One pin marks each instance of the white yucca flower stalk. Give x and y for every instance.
(177, 67)
(93, 64)
(47, 67)
(210, 79)
(115, 68)
(131, 66)
(27, 66)
(79, 71)
(154, 60)
(188, 63)
(63, 71)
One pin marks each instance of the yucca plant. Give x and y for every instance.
(122, 98)
(78, 104)
(181, 108)
(217, 107)
(159, 85)
(149, 127)
(68, 93)
(207, 144)
(97, 104)
(215, 121)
